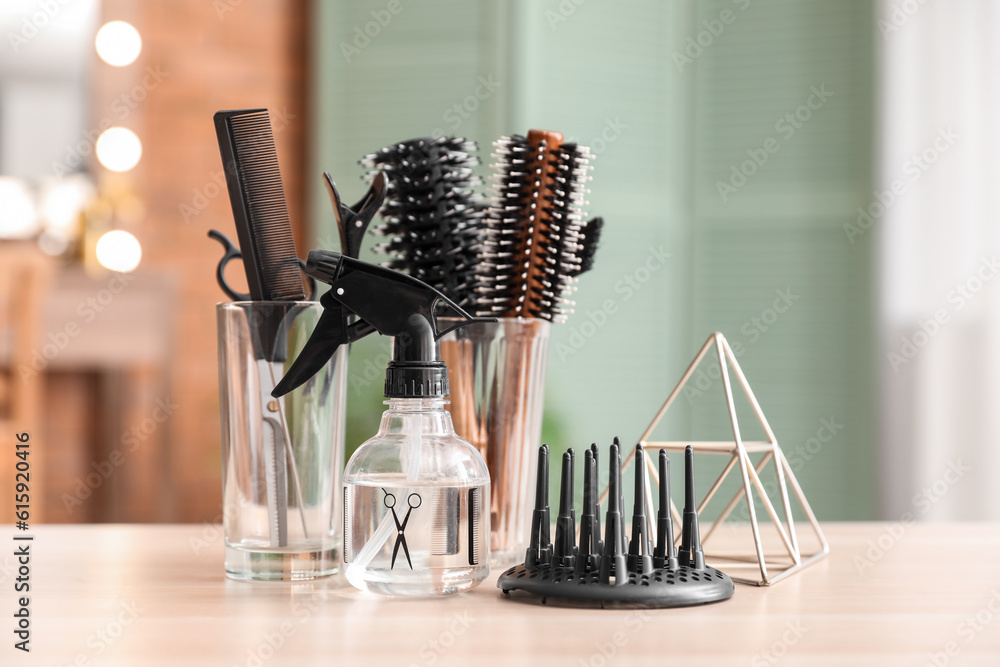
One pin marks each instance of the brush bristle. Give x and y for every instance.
(432, 217)
(590, 239)
(264, 196)
(535, 241)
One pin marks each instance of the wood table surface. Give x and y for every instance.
(888, 594)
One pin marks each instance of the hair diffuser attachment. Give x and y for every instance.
(619, 570)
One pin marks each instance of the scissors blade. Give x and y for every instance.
(275, 458)
(406, 551)
(395, 550)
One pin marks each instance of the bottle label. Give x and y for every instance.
(410, 528)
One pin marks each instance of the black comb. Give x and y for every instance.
(258, 200)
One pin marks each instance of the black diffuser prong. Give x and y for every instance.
(665, 555)
(621, 492)
(565, 548)
(691, 553)
(640, 559)
(572, 482)
(613, 562)
(540, 549)
(598, 544)
(587, 555)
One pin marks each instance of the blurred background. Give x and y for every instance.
(814, 179)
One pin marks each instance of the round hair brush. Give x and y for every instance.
(536, 243)
(432, 217)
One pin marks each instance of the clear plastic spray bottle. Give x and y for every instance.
(416, 495)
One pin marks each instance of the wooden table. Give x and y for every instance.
(156, 595)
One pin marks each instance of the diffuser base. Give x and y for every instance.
(682, 587)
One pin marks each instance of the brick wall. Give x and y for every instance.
(198, 57)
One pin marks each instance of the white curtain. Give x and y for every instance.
(938, 242)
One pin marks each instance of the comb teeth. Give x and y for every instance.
(254, 163)
(474, 516)
(535, 243)
(447, 517)
(431, 216)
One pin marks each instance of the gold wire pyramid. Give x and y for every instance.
(771, 571)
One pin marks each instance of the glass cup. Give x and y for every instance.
(282, 459)
(496, 371)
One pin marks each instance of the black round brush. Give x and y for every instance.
(432, 217)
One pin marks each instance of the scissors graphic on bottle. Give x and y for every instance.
(390, 502)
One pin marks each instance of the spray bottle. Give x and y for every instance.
(416, 496)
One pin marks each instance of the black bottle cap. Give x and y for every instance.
(409, 380)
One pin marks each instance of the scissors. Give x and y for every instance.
(278, 455)
(390, 502)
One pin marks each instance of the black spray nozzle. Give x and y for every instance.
(565, 544)
(691, 553)
(540, 548)
(665, 554)
(640, 559)
(387, 301)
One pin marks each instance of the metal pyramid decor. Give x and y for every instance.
(773, 568)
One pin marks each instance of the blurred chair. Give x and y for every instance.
(25, 275)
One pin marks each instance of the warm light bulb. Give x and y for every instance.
(118, 43)
(119, 251)
(63, 200)
(118, 149)
(18, 218)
